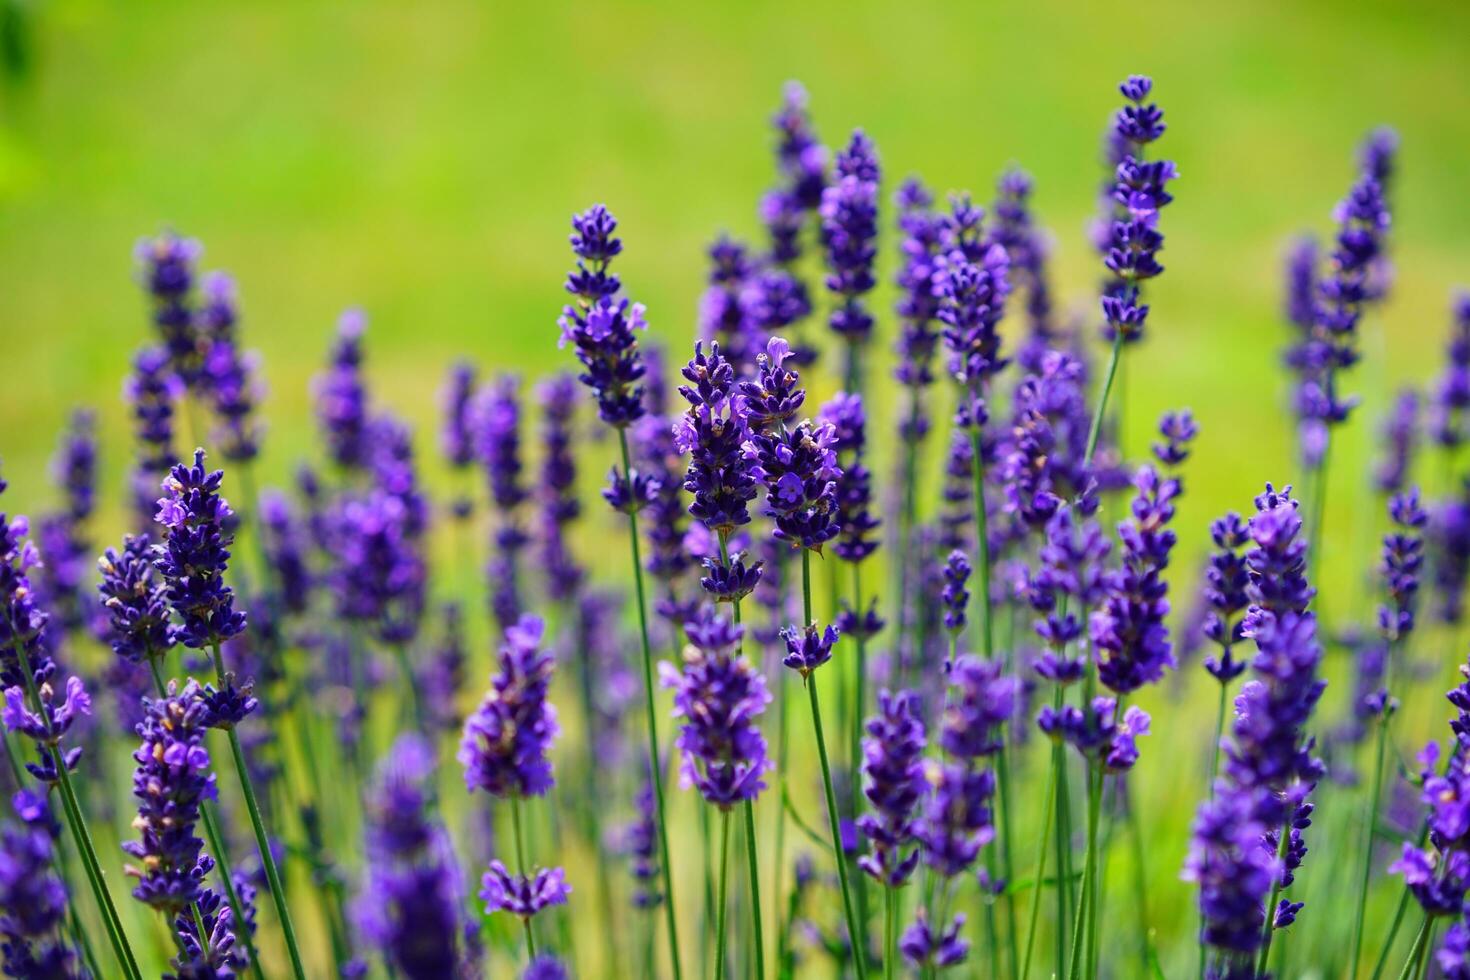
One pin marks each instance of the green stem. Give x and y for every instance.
(1416, 951)
(1270, 928)
(653, 752)
(858, 940)
(77, 823)
(890, 929)
(755, 889)
(521, 869)
(1140, 876)
(721, 939)
(1089, 874)
(1318, 512)
(1373, 803)
(1102, 401)
(1042, 846)
(262, 840)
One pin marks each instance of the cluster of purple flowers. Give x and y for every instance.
(506, 739)
(33, 899)
(601, 327)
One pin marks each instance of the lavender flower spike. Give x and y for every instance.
(602, 328)
(506, 740)
(341, 395)
(195, 553)
(34, 898)
(893, 766)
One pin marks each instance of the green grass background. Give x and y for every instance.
(421, 160)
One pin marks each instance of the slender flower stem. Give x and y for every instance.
(1048, 812)
(1140, 876)
(860, 696)
(520, 842)
(1318, 512)
(262, 840)
(653, 753)
(216, 845)
(1270, 928)
(1102, 400)
(1089, 874)
(77, 824)
(859, 941)
(987, 647)
(721, 940)
(592, 792)
(1373, 803)
(1416, 952)
(890, 932)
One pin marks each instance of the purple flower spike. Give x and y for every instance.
(1400, 439)
(1451, 398)
(194, 555)
(917, 306)
(775, 396)
(854, 484)
(798, 467)
(1226, 580)
(33, 941)
(808, 648)
(171, 781)
(983, 700)
(894, 784)
(1179, 430)
(341, 395)
(506, 740)
(1403, 561)
(972, 292)
(1129, 630)
(956, 596)
(957, 820)
(720, 697)
(602, 328)
(456, 434)
(726, 314)
(713, 432)
(849, 213)
(924, 946)
(167, 270)
(523, 895)
(136, 601)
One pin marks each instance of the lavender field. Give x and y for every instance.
(827, 566)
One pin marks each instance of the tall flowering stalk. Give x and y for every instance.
(1403, 561)
(1133, 240)
(602, 329)
(849, 215)
(797, 465)
(32, 710)
(193, 559)
(894, 783)
(504, 753)
(152, 391)
(456, 433)
(720, 696)
(497, 426)
(33, 942)
(722, 482)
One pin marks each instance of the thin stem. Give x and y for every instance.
(653, 753)
(1102, 400)
(1089, 875)
(1048, 811)
(1373, 802)
(890, 929)
(520, 844)
(1416, 951)
(262, 840)
(721, 939)
(1140, 877)
(755, 889)
(858, 940)
(1319, 509)
(1270, 927)
(216, 843)
(77, 823)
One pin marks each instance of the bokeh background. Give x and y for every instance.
(422, 160)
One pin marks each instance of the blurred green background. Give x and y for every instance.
(422, 160)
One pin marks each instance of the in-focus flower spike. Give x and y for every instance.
(1129, 631)
(894, 784)
(194, 555)
(854, 483)
(808, 648)
(506, 740)
(1278, 563)
(213, 955)
(849, 213)
(32, 938)
(413, 898)
(341, 395)
(713, 432)
(776, 395)
(1400, 438)
(167, 269)
(798, 465)
(171, 781)
(136, 601)
(601, 327)
(719, 697)
(972, 292)
(1403, 562)
(556, 489)
(1140, 191)
(456, 433)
